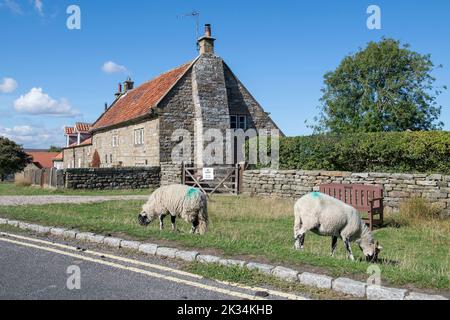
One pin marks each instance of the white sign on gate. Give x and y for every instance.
(208, 173)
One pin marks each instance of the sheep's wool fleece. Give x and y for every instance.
(333, 217)
(178, 200)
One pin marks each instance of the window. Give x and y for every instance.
(110, 158)
(238, 122)
(233, 122)
(139, 137)
(115, 141)
(106, 158)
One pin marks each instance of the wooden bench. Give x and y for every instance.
(363, 198)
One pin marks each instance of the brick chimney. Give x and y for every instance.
(119, 91)
(206, 43)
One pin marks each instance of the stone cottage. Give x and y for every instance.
(137, 129)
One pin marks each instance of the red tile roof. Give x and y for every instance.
(59, 157)
(69, 130)
(84, 143)
(43, 159)
(137, 102)
(82, 127)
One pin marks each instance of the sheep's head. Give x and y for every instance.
(144, 219)
(370, 249)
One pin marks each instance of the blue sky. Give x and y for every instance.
(51, 76)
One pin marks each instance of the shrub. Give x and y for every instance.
(364, 152)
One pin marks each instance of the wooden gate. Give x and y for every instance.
(227, 179)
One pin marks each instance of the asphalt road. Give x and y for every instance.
(36, 269)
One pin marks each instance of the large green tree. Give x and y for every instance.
(384, 87)
(12, 157)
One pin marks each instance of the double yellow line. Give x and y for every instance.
(51, 247)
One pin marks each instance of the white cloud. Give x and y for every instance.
(38, 5)
(8, 85)
(33, 136)
(112, 67)
(12, 6)
(36, 102)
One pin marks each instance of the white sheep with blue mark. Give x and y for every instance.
(180, 201)
(327, 216)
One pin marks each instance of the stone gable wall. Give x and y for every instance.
(242, 102)
(176, 111)
(397, 187)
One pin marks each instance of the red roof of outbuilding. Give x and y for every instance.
(82, 127)
(59, 157)
(43, 159)
(69, 130)
(138, 102)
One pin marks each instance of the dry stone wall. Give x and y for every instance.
(112, 178)
(397, 187)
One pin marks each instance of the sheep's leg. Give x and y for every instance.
(161, 222)
(300, 241)
(349, 249)
(333, 245)
(174, 225)
(194, 226)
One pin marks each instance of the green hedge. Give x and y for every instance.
(369, 152)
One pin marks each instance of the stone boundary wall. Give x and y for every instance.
(397, 187)
(171, 173)
(111, 178)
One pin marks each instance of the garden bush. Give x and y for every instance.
(408, 152)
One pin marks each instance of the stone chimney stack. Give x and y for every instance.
(128, 85)
(206, 43)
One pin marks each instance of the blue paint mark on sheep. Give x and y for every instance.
(315, 194)
(192, 192)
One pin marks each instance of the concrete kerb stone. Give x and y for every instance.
(315, 280)
(285, 273)
(261, 267)
(206, 258)
(423, 296)
(112, 242)
(96, 238)
(84, 236)
(148, 248)
(69, 234)
(189, 256)
(13, 223)
(131, 245)
(232, 262)
(166, 252)
(374, 292)
(349, 286)
(58, 232)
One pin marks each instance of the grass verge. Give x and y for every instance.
(246, 277)
(261, 230)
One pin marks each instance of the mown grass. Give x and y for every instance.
(11, 189)
(261, 229)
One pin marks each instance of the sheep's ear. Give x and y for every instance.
(380, 248)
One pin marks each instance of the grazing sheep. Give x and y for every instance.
(327, 216)
(177, 201)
